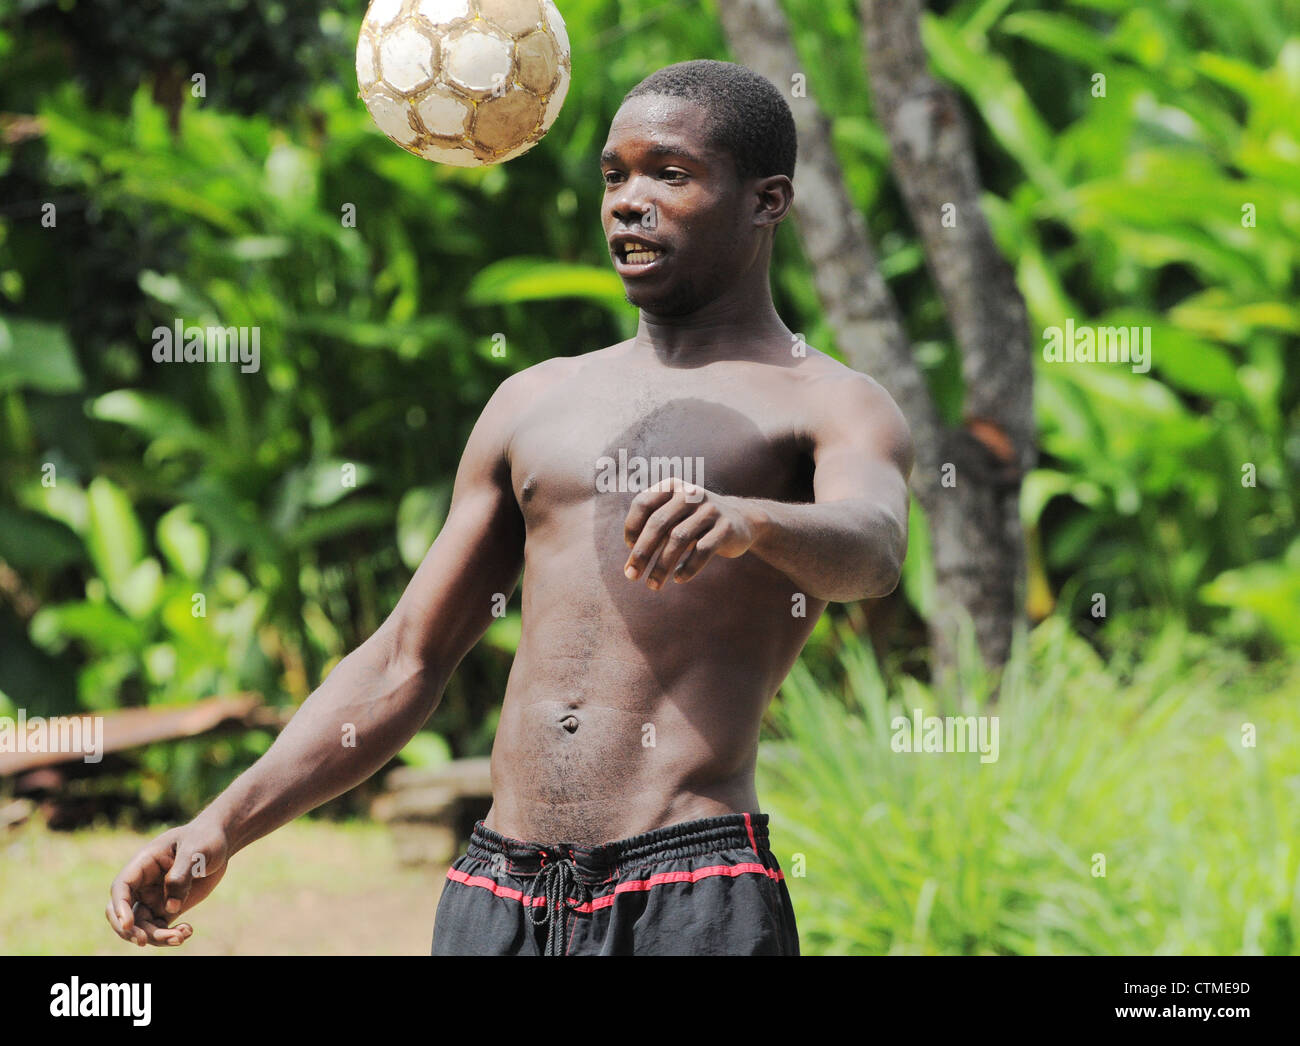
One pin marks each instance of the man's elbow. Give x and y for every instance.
(884, 578)
(884, 568)
(406, 663)
(875, 578)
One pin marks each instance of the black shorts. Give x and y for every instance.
(706, 887)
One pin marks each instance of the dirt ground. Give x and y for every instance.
(311, 888)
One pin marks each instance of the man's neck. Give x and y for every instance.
(721, 330)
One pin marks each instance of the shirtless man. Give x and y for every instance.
(659, 618)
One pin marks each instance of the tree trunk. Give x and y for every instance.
(967, 478)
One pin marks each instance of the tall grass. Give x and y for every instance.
(1139, 765)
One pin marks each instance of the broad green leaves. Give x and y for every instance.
(37, 356)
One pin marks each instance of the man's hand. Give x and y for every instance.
(172, 874)
(688, 525)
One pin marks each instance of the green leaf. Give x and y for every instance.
(917, 579)
(32, 542)
(1183, 360)
(337, 520)
(1040, 486)
(228, 517)
(37, 355)
(259, 248)
(539, 279)
(405, 338)
(426, 749)
(184, 541)
(420, 517)
(115, 540)
(96, 624)
(1065, 36)
(170, 289)
(505, 632)
(99, 683)
(1269, 590)
(323, 481)
(142, 591)
(150, 414)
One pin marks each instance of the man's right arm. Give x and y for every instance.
(374, 700)
(384, 691)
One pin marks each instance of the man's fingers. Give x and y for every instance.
(123, 923)
(695, 560)
(176, 885)
(680, 540)
(156, 931)
(145, 867)
(156, 885)
(114, 918)
(654, 533)
(122, 897)
(642, 507)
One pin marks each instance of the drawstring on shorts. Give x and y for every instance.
(557, 880)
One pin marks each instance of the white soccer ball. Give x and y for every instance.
(463, 82)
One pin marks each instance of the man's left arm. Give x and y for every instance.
(845, 546)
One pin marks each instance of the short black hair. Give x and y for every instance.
(749, 116)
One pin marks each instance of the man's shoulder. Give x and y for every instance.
(846, 402)
(837, 396)
(823, 374)
(542, 375)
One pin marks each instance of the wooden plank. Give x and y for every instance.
(466, 777)
(128, 728)
(417, 804)
(425, 843)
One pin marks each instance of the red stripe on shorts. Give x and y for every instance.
(659, 879)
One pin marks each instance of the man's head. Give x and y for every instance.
(698, 165)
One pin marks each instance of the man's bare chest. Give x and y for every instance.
(613, 435)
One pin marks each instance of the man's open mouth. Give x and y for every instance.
(636, 253)
(634, 256)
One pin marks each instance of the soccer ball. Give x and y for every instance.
(463, 82)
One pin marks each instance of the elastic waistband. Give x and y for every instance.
(688, 839)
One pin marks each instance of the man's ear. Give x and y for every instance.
(773, 197)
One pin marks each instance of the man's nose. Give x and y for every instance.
(639, 217)
(632, 202)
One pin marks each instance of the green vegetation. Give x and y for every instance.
(1141, 806)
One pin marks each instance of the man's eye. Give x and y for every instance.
(609, 177)
(674, 174)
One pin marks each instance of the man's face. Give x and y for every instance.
(668, 189)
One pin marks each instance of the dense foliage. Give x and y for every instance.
(1141, 807)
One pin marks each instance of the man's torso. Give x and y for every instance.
(628, 709)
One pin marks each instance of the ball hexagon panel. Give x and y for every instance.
(556, 25)
(366, 74)
(408, 59)
(557, 99)
(444, 113)
(478, 61)
(516, 17)
(440, 12)
(454, 157)
(382, 12)
(501, 123)
(538, 60)
(393, 115)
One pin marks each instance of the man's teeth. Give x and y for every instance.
(638, 254)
